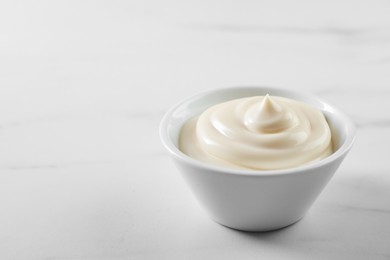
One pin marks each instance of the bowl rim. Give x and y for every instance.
(175, 151)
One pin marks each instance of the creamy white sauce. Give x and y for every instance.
(259, 133)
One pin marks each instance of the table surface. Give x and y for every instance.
(84, 84)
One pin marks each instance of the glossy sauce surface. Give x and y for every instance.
(259, 133)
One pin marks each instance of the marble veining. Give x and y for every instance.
(50, 166)
(381, 123)
(305, 30)
(368, 210)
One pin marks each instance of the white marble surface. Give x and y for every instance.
(83, 85)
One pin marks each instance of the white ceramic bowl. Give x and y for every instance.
(253, 200)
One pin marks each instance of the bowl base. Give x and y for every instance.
(257, 230)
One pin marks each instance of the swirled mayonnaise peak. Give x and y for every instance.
(259, 133)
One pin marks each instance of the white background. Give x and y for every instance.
(84, 84)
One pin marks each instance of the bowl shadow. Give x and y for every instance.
(350, 219)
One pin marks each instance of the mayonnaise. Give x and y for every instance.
(259, 133)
